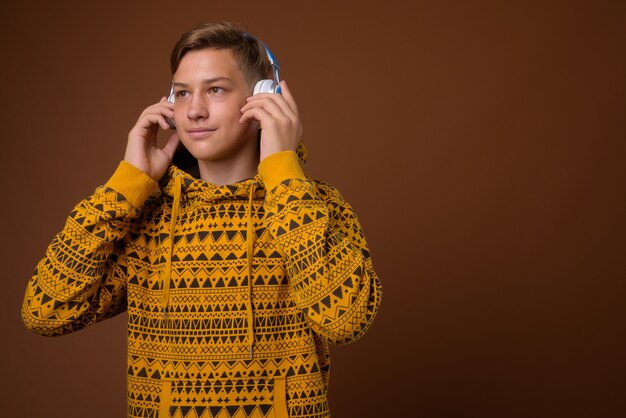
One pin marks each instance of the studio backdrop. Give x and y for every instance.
(481, 145)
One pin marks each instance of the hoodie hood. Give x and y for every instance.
(182, 185)
(193, 187)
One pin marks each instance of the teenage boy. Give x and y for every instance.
(235, 279)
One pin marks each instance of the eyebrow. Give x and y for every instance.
(207, 81)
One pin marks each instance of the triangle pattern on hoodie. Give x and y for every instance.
(233, 292)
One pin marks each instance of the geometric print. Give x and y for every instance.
(233, 292)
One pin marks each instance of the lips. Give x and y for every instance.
(198, 133)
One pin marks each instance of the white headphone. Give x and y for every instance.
(269, 86)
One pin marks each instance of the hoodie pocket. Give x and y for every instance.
(224, 398)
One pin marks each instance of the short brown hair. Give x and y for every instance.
(246, 49)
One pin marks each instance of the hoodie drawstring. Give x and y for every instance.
(250, 238)
(178, 181)
(250, 244)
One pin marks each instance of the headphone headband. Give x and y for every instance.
(272, 59)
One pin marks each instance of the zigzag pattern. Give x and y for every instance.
(327, 271)
(312, 284)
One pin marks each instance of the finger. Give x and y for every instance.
(170, 146)
(163, 123)
(152, 121)
(148, 120)
(286, 93)
(274, 102)
(163, 99)
(156, 111)
(280, 100)
(257, 113)
(161, 105)
(271, 107)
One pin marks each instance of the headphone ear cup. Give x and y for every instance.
(170, 99)
(266, 86)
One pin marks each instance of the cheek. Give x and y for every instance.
(228, 114)
(179, 112)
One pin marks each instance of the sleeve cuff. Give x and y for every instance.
(135, 185)
(280, 166)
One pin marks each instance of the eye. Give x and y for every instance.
(216, 90)
(180, 93)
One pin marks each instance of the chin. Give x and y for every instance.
(210, 151)
(219, 148)
(208, 155)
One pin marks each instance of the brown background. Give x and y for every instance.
(481, 144)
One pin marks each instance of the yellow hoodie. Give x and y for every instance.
(233, 292)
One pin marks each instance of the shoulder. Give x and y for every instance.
(340, 212)
(329, 193)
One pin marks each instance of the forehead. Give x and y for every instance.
(208, 63)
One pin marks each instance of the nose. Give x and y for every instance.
(198, 108)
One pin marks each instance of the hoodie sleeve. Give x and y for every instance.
(328, 262)
(82, 277)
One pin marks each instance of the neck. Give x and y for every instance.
(230, 169)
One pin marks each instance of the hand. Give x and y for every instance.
(278, 117)
(142, 150)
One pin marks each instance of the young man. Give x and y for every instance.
(235, 280)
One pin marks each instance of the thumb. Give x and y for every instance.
(170, 145)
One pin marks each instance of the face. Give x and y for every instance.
(210, 89)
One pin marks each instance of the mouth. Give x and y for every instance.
(198, 133)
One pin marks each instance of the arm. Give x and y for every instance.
(328, 262)
(82, 277)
